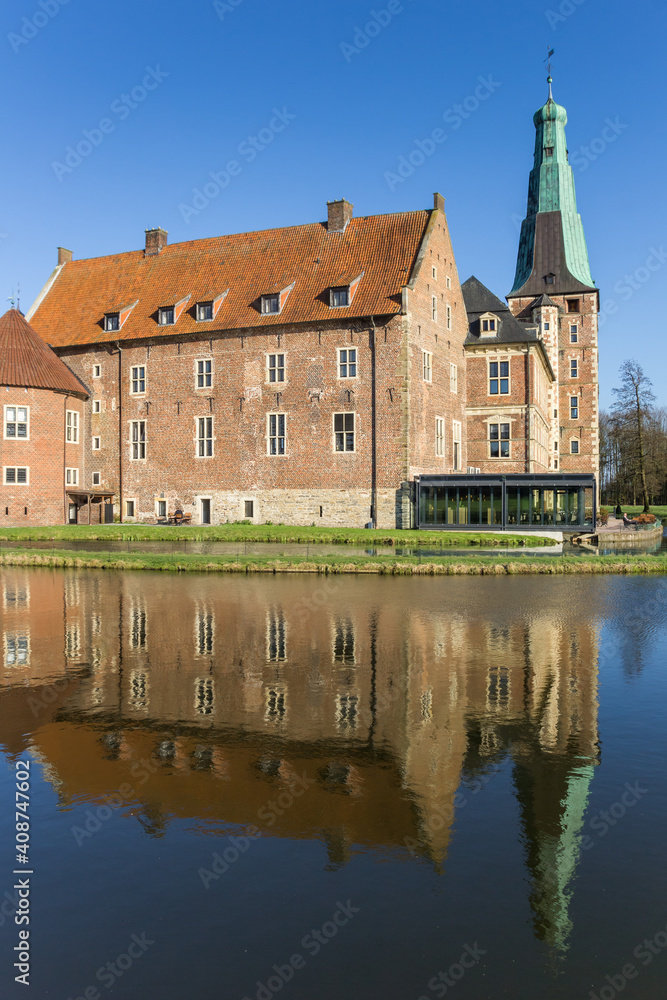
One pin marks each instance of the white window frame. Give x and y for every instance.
(345, 450)
(97, 371)
(138, 444)
(456, 445)
(96, 478)
(109, 325)
(338, 290)
(17, 423)
(97, 443)
(574, 368)
(15, 470)
(434, 308)
(573, 450)
(199, 309)
(97, 406)
(448, 282)
(276, 368)
(71, 477)
(163, 315)
(205, 432)
(499, 378)
(500, 440)
(268, 300)
(574, 333)
(439, 437)
(574, 405)
(134, 508)
(136, 379)
(201, 375)
(434, 272)
(345, 362)
(275, 441)
(72, 426)
(12, 640)
(453, 377)
(161, 507)
(427, 366)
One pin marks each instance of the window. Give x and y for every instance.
(574, 407)
(276, 705)
(488, 326)
(574, 367)
(111, 323)
(343, 641)
(204, 311)
(347, 711)
(574, 333)
(276, 649)
(549, 151)
(165, 316)
(138, 689)
(16, 422)
(16, 474)
(550, 279)
(456, 434)
(204, 631)
(129, 508)
(434, 308)
(96, 443)
(270, 304)
(276, 433)
(97, 371)
(137, 626)
(574, 447)
(97, 477)
(97, 406)
(340, 296)
(138, 379)
(449, 317)
(204, 373)
(555, 445)
(204, 695)
(499, 378)
(546, 326)
(276, 367)
(249, 508)
(72, 427)
(439, 437)
(344, 431)
(573, 305)
(499, 440)
(448, 282)
(17, 650)
(161, 508)
(453, 378)
(347, 362)
(72, 477)
(427, 359)
(204, 437)
(434, 272)
(138, 439)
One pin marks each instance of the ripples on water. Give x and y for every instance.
(224, 762)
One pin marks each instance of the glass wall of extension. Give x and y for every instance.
(530, 502)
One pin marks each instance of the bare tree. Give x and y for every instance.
(633, 405)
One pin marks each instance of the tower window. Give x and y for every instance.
(574, 333)
(549, 151)
(499, 378)
(573, 305)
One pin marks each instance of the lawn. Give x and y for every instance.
(241, 532)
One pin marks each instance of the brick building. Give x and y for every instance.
(311, 374)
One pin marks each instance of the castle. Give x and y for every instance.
(335, 373)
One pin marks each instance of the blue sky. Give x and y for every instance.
(180, 87)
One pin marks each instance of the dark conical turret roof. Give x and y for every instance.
(27, 361)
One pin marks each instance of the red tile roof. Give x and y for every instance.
(26, 361)
(250, 265)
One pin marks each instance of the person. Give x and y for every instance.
(627, 520)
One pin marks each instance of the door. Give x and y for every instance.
(205, 511)
(73, 513)
(108, 513)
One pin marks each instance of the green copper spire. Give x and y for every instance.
(552, 249)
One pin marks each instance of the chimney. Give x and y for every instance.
(439, 202)
(64, 256)
(155, 240)
(340, 213)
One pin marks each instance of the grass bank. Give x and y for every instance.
(270, 533)
(660, 512)
(383, 564)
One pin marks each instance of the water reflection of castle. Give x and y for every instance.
(231, 688)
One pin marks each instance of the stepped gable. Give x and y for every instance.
(28, 362)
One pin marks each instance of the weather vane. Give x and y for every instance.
(550, 52)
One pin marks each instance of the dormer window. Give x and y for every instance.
(488, 326)
(207, 308)
(270, 304)
(549, 278)
(204, 311)
(165, 316)
(340, 296)
(112, 322)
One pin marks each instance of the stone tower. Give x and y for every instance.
(553, 288)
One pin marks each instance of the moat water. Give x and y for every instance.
(395, 788)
